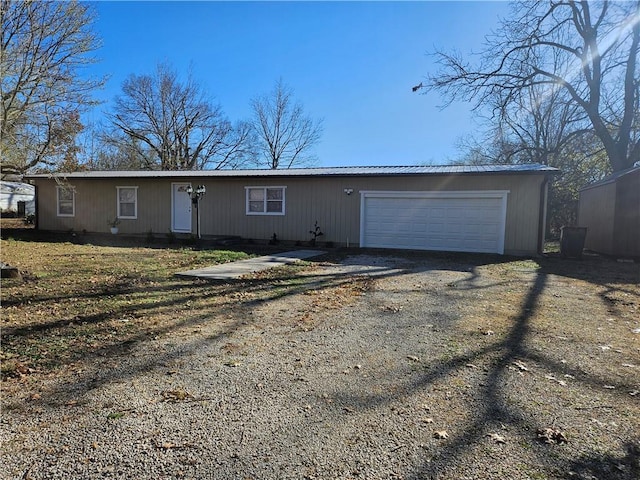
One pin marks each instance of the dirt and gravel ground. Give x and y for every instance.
(359, 366)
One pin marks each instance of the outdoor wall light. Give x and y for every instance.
(195, 199)
(199, 191)
(348, 191)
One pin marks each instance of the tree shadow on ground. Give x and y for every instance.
(494, 410)
(223, 308)
(591, 268)
(602, 466)
(234, 301)
(224, 300)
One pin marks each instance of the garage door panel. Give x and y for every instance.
(434, 221)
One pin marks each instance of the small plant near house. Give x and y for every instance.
(274, 240)
(113, 225)
(316, 232)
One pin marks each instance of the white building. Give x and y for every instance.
(13, 192)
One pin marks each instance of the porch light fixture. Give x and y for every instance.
(195, 199)
(199, 191)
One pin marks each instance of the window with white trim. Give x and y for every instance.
(66, 200)
(127, 202)
(265, 200)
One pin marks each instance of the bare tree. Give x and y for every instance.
(44, 46)
(112, 150)
(538, 126)
(175, 123)
(285, 134)
(581, 53)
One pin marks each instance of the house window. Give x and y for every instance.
(127, 202)
(66, 201)
(265, 200)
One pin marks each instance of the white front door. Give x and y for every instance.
(180, 208)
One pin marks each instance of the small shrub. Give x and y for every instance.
(316, 232)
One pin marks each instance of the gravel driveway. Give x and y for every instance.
(378, 367)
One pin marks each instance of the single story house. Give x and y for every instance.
(14, 193)
(610, 209)
(497, 209)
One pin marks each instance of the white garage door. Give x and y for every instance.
(462, 221)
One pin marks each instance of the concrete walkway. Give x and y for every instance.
(237, 269)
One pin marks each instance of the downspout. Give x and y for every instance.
(35, 204)
(542, 215)
(36, 220)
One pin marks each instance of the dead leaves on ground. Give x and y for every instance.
(551, 435)
(391, 308)
(497, 438)
(521, 366)
(85, 300)
(176, 395)
(170, 445)
(180, 395)
(331, 297)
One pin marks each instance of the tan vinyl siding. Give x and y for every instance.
(308, 199)
(596, 212)
(626, 229)
(611, 213)
(96, 204)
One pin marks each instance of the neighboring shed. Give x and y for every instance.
(610, 209)
(497, 209)
(11, 193)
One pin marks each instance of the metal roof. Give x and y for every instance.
(311, 172)
(16, 187)
(611, 178)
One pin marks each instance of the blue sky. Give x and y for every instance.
(350, 63)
